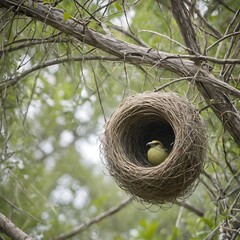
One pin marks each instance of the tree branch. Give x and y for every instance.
(182, 17)
(94, 220)
(212, 81)
(30, 43)
(12, 231)
(209, 26)
(137, 55)
(223, 108)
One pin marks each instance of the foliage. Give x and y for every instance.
(55, 101)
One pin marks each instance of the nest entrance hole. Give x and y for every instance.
(143, 132)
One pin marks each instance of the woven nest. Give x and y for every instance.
(145, 117)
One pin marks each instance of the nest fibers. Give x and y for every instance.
(155, 116)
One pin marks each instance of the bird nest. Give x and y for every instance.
(161, 116)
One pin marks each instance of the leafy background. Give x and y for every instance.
(52, 175)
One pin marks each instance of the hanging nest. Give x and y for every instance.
(155, 116)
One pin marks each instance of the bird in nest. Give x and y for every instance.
(157, 153)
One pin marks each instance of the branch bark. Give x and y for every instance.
(138, 55)
(223, 108)
(7, 227)
(182, 17)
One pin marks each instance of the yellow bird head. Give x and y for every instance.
(154, 143)
(157, 153)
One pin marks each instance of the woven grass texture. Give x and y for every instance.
(161, 116)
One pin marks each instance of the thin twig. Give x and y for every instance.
(98, 93)
(129, 34)
(32, 43)
(204, 58)
(167, 37)
(14, 80)
(223, 38)
(94, 220)
(191, 208)
(172, 82)
(20, 210)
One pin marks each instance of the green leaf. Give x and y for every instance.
(208, 222)
(118, 6)
(66, 16)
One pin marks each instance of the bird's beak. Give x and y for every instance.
(149, 144)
